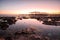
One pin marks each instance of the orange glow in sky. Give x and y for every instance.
(24, 7)
(27, 11)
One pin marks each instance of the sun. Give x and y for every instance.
(24, 12)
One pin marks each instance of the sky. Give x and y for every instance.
(25, 6)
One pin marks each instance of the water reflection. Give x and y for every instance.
(27, 29)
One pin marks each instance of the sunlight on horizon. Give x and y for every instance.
(41, 10)
(27, 11)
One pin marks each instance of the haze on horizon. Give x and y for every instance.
(25, 6)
